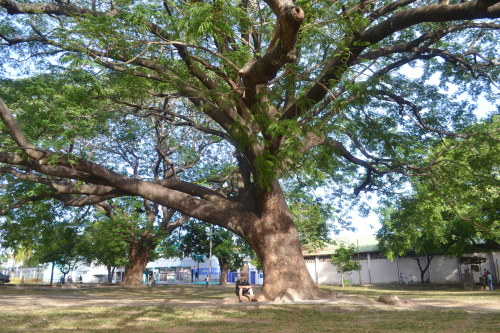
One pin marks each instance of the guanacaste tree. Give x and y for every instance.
(305, 87)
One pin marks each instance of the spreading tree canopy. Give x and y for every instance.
(455, 210)
(305, 91)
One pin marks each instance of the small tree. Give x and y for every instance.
(102, 244)
(226, 246)
(342, 260)
(57, 246)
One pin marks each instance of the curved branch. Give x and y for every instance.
(264, 69)
(357, 44)
(61, 188)
(365, 183)
(422, 123)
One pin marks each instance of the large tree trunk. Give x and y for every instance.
(138, 260)
(275, 239)
(223, 272)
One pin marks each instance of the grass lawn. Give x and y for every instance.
(178, 292)
(249, 318)
(431, 291)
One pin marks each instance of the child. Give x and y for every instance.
(411, 279)
(406, 279)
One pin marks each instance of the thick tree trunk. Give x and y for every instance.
(275, 239)
(138, 260)
(223, 272)
(110, 279)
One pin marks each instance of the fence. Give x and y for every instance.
(28, 275)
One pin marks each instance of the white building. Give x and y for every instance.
(378, 269)
(42, 273)
(179, 271)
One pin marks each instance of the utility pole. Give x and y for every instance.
(210, 260)
(357, 244)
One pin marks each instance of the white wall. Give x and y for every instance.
(442, 270)
(409, 266)
(383, 271)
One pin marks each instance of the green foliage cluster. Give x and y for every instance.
(102, 243)
(453, 209)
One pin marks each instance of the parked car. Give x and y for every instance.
(4, 279)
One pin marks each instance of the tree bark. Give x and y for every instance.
(139, 258)
(275, 239)
(223, 272)
(109, 274)
(52, 274)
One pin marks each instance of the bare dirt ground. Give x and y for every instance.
(30, 297)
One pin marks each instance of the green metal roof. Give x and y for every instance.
(365, 243)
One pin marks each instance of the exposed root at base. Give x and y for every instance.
(293, 295)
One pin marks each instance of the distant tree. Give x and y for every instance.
(413, 242)
(454, 209)
(44, 233)
(342, 260)
(101, 244)
(58, 248)
(194, 238)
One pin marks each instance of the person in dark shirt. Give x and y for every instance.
(243, 287)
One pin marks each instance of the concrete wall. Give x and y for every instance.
(442, 270)
(327, 273)
(383, 271)
(365, 277)
(409, 267)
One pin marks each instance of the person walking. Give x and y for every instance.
(489, 280)
(153, 280)
(206, 280)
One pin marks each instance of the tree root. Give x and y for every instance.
(293, 295)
